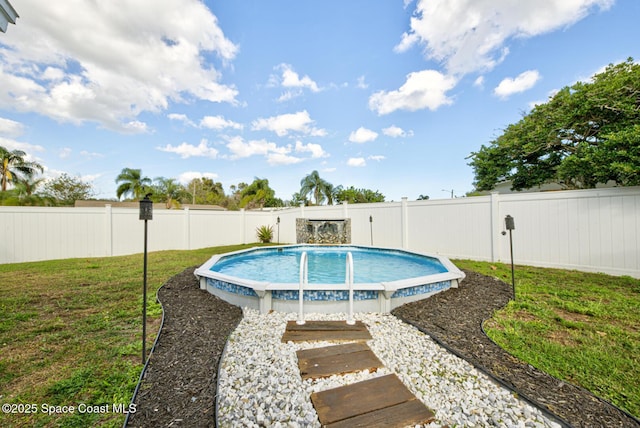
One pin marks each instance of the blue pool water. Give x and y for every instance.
(327, 264)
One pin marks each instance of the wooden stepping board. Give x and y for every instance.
(380, 402)
(325, 330)
(339, 359)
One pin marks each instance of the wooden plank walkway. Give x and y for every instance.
(325, 330)
(339, 359)
(382, 402)
(379, 402)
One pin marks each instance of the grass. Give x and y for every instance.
(70, 331)
(580, 327)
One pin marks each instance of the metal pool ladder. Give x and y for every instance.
(304, 281)
(348, 280)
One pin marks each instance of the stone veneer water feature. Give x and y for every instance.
(319, 231)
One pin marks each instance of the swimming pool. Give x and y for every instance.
(268, 278)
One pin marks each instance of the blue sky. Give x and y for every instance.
(387, 95)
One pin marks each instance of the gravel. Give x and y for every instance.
(179, 388)
(260, 385)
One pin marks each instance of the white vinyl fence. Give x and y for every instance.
(590, 230)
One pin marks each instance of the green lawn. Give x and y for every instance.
(70, 331)
(577, 326)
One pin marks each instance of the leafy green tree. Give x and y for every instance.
(318, 187)
(358, 196)
(14, 167)
(24, 194)
(205, 191)
(169, 191)
(258, 194)
(132, 183)
(586, 134)
(423, 198)
(66, 190)
(297, 199)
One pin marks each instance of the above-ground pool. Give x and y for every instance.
(268, 278)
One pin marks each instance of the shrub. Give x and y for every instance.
(265, 234)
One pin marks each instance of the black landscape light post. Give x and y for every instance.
(510, 226)
(371, 228)
(278, 223)
(146, 214)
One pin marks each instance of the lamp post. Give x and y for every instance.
(371, 228)
(278, 223)
(146, 214)
(510, 226)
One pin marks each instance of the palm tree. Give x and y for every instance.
(132, 183)
(312, 183)
(169, 191)
(13, 167)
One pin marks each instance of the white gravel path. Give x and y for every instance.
(260, 384)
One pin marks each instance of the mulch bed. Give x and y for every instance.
(179, 386)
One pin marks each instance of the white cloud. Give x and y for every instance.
(395, 132)
(241, 149)
(11, 128)
(135, 127)
(181, 118)
(64, 152)
(111, 65)
(186, 150)
(291, 122)
(470, 35)
(219, 122)
(356, 162)
(282, 159)
(479, 82)
(186, 177)
(316, 150)
(362, 135)
(10, 144)
(90, 177)
(291, 79)
(377, 158)
(91, 155)
(289, 95)
(361, 83)
(423, 89)
(523, 82)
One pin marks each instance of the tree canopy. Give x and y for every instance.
(586, 134)
(317, 186)
(66, 190)
(15, 168)
(259, 194)
(358, 196)
(132, 183)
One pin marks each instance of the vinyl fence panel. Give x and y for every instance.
(590, 230)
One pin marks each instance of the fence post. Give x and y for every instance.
(405, 223)
(187, 228)
(109, 229)
(243, 217)
(496, 226)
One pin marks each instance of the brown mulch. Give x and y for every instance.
(179, 386)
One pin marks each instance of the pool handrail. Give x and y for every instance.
(304, 280)
(349, 283)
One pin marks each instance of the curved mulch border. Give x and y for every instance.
(179, 385)
(454, 318)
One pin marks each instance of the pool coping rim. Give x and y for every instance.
(453, 273)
